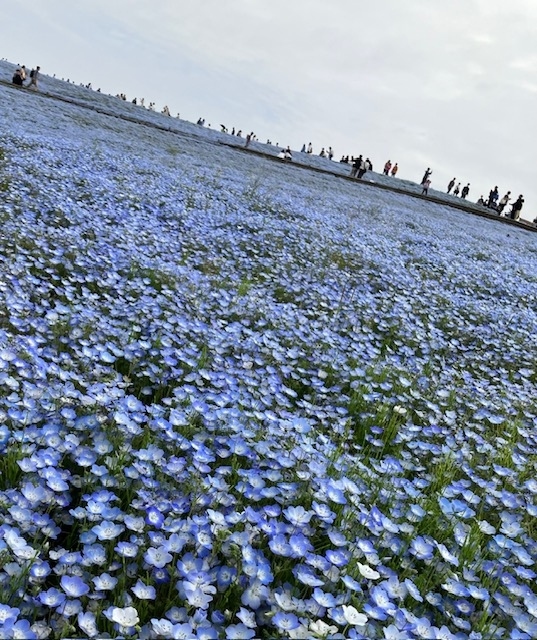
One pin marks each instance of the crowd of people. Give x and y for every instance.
(493, 201)
(359, 165)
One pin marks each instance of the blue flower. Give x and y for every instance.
(157, 557)
(239, 632)
(74, 586)
(285, 621)
(108, 530)
(143, 591)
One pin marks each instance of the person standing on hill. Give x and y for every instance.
(363, 168)
(310, 148)
(465, 191)
(451, 185)
(493, 197)
(425, 187)
(395, 169)
(503, 202)
(516, 208)
(356, 166)
(34, 76)
(457, 189)
(426, 175)
(387, 168)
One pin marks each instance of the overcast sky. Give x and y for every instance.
(446, 84)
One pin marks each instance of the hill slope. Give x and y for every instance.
(244, 400)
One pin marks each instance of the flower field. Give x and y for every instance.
(243, 400)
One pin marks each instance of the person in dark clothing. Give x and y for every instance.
(493, 197)
(516, 208)
(465, 191)
(426, 175)
(356, 166)
(17, 78)
(457, 189)
(451, 185)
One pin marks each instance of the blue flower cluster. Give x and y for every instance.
(240, 400)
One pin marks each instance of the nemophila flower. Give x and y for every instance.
(70, 608)
(133, 523)
(143, 591)
(162, 627)
(125, 617)
(279, 545)
(323, 598)
(254, 594)
(338, 557)
(247, 617)
(107, 530)
(104, 582)
(307, 576)
(239, 632)
(380, 598)
(74, 586)
(297, 516)
(8, 613)
(87, 623)
(285, 621)
(321, 629)
(447, 555)
(420, 548)
(353, 616)
(39, 571)
(413, 590)
(367, 572)
(93, 554)
(51, 597)
(157, 557)
(127, 549)
(351, 583)
(225, 576)
(323, 512)
(154, 517)
(20, 629)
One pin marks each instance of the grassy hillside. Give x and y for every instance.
(244, 400)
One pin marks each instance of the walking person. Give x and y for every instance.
(465, 191)
(425, 187)
(451, 185)
(457, 189)
(34, 76)
(363, 169)
(395, 169)
(387, 167)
